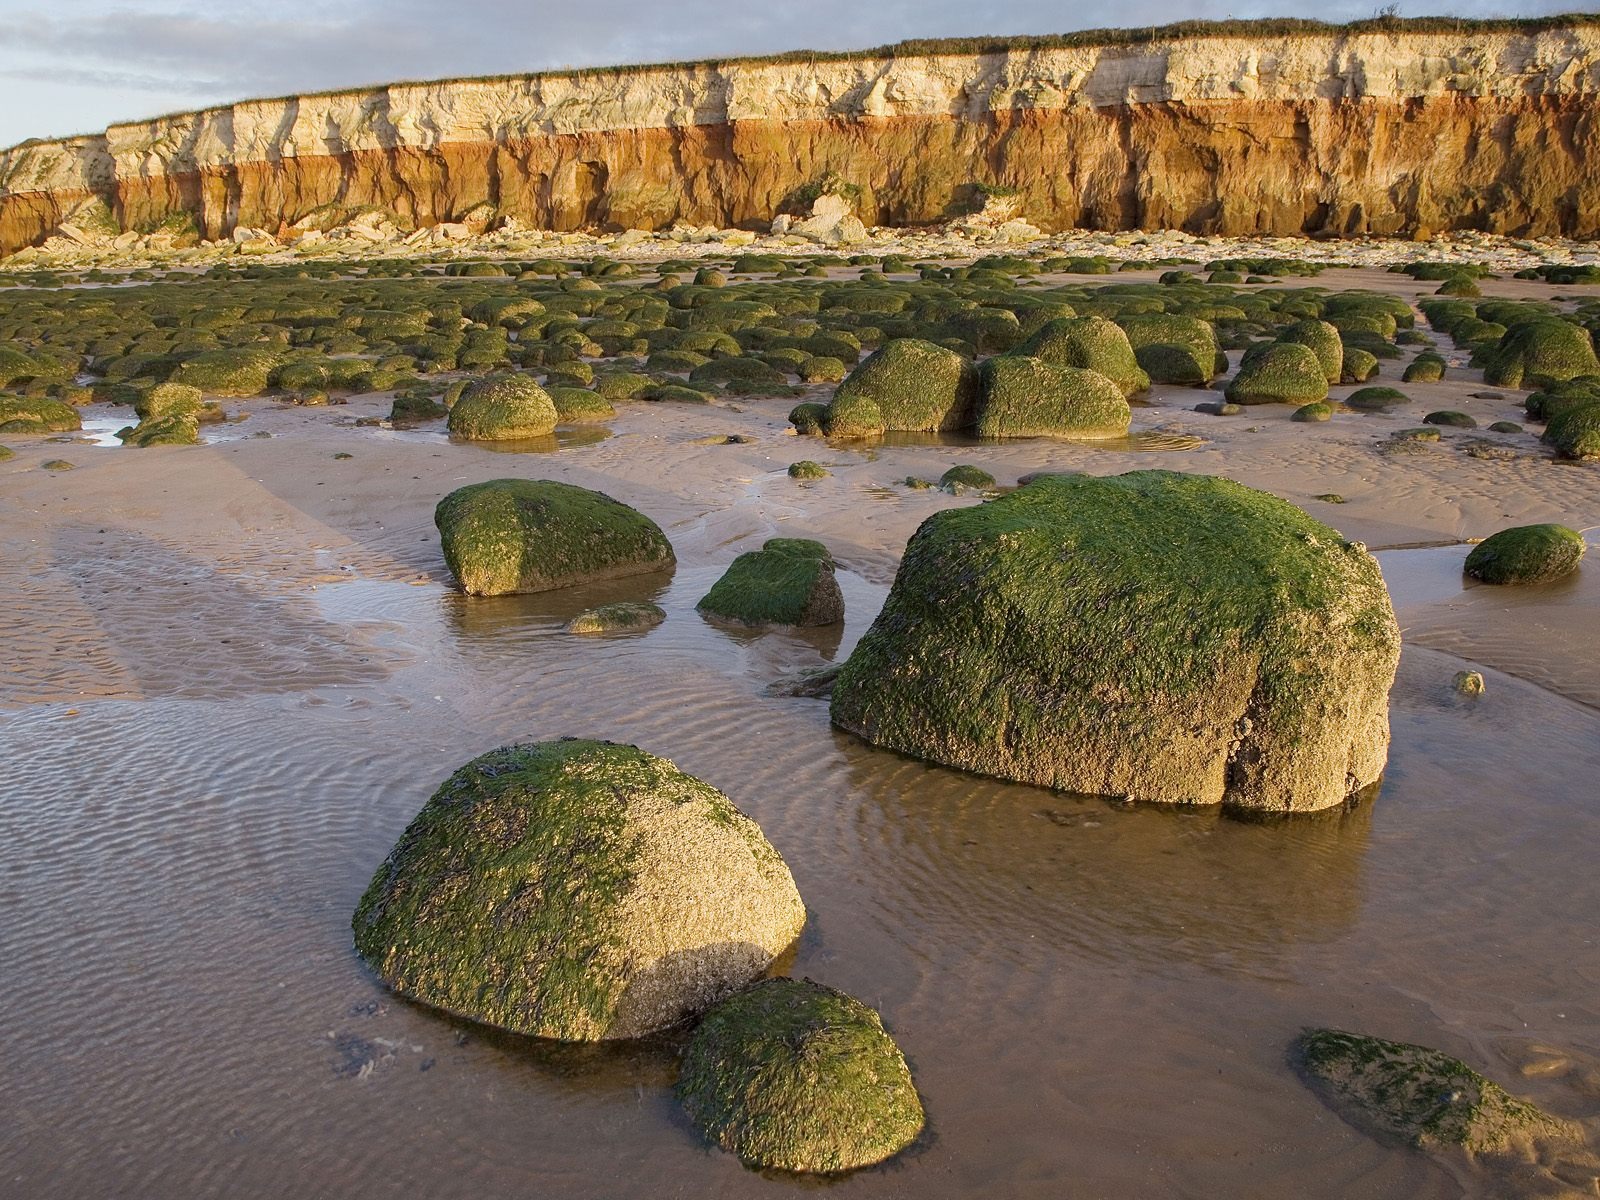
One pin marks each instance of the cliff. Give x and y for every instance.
(1376, 129)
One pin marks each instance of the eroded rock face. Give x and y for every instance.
(1347, 133)
(1157, 636)
(577, 890)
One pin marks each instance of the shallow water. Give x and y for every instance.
(1095, 998)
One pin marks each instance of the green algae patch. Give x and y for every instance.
(1420, 1097)
(792, 1076)
(1089, 344)
(807, 469)
(907, 384)
(576, 890)
(1323, 340)
(1157, 636)
(1319, 411)
(533, 535)
(1540, 351)
(966, 477)
(623, 617)
(1028, 397)
(1526, 554)
(502, 408)
(1279, 373)
(29, 414)
(789, 581)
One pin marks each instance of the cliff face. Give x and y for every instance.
(1346, 133)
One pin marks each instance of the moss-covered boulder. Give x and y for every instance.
(1558, 397)
(502, 408)
(1451, 419)
(576, 406)
(1425, 368)
(1540, 351)
(1526, 554)
(233, 372)
(1189, 641)
(789, 581)
(1420, 1097)
(1312, 413)
(1089, 344)
(807, 469)
(1171, 348)
(1359, 365)
(808, 418)
(533, 535)
(1376, 399)
(1574, 432)
(793, 1076)
(33, 414)
(177, 429)
(907, 384)
(1028, 397)
(623, 617)
(965, 477)
(1279, 373)
(1323, 341)
(168, 400)
(576, 890)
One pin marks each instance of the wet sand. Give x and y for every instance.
(233, 673)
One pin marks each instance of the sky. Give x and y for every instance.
(78, 65)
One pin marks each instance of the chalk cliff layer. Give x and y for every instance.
(1339, 132)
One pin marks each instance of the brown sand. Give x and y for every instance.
(232, 673)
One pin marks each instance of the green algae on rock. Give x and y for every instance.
(1419, 1097)
(806, 469)
(502, 408)
(623, 617)
(577, 890)
(793, 1076)
(1545, 350)
(1089, 344)
(1574, 432)
(1451, 419)
(175, 429)
(808, 418)
(789, 581)
(1171, 348)
(168, 400)
(1316, 411)
(966, 476)
(907, 384)
(1375, 399)
(1359, 365)
(28, 414)
(1526, 554)
(1323, 340)
(233, 372)
(1189, 641)
(533, 535)
(1020, 396)
(1279, 373)
(580, 405)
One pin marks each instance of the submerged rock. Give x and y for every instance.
(1420, 1097)
(1526, 554)
(616, 618)
(794, 1076)
(1188, 640)
(533, 535)
(577, 890)
(789, 581)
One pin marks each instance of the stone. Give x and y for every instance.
(576, 890)
(789, 581)
(502, 408)
(1526, 554)
(1190, 641)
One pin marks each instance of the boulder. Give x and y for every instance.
(1574, 432)
(906, 384)
(1027, 397)
(502, 408)
(1173, 349)
(1546, 350)
(1188, 640)
(1420, 1097)
(1323, 341)
(28, 414)
(1526, 554)
(1279, 373)
(534, 535)
(1090, 344)
(622, 617)
(174, 429)
(793, 1076)
(576, 890)
(789, 581)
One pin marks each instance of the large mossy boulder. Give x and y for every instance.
(907, 384)
(169, 400)
(1540, 351)
(1574, 432)
(1172, 348)
(1157, 636)
(1279, 373)
(1027, 397)
(234, 372)
(577, 890)
(1090, 344)
(534, 535)
(1323, 341)
(1526, 554)
(1420, 1097)
(503, 408)
(175, 429)
(793, 1076)
(789, 581)
(30, 414)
